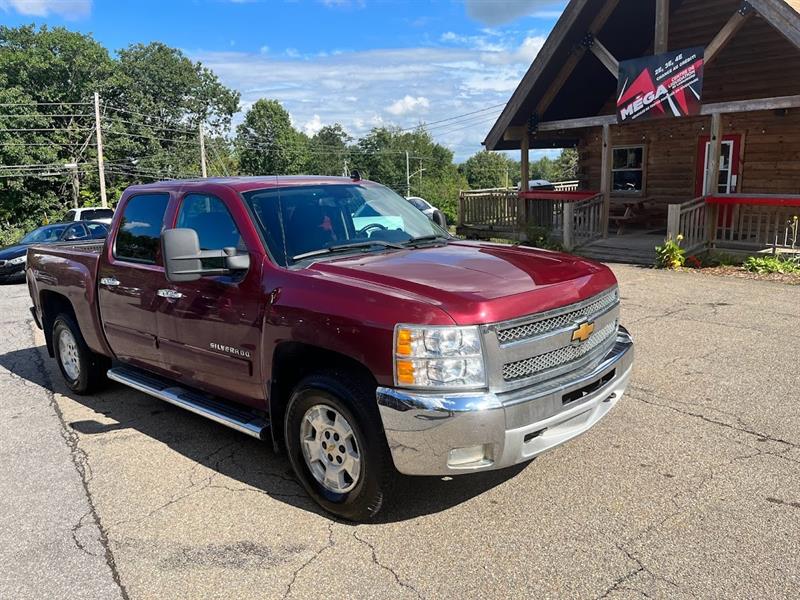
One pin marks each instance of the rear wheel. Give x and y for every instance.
(83, 370)
(336, 445)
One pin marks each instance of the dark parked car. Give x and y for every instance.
(13, 258)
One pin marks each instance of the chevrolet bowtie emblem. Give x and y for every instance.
(583, 332)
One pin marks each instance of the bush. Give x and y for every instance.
(539, 237)
(671, 255)
(764, 265)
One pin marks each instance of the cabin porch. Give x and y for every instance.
(751, 223)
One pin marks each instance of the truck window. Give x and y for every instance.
(214, 225)
(139, 235)
(212, 221)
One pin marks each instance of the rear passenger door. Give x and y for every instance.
(129, 277)
(210, 329)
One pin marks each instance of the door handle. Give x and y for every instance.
(109, 281)
(171, 294)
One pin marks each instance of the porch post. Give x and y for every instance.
(568, 240)
(522, 218)
(712, 179)
(605, 178)
(662, 26)
(714, 153)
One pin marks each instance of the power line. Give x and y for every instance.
(45, 104)
(42, 115)
(162, 127)
(44, 129)
(456, 117)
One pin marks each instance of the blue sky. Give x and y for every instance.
(360, 63)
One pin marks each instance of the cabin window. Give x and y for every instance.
(628, 169)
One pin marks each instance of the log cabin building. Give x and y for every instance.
(717, 161)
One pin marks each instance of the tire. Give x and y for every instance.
(341, 395)
(83, 371)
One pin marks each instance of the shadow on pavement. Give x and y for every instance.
(234, 455)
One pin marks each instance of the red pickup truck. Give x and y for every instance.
(332, 317)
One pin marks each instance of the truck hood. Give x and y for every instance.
(478, 282)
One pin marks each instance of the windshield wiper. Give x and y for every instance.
(350, 246)
(426, 238)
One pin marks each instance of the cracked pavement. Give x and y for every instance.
(689, 488)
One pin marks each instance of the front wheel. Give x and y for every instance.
(83, 370)
(336, 445)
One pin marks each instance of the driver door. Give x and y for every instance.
(210, 329)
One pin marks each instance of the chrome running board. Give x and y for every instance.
(220, 412)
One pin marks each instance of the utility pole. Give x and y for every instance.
(345, 172)
(203, 170)
(408, 177)
(420, 176)
(101, 171)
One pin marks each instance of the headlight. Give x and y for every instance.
(438, 357)
(17, 261)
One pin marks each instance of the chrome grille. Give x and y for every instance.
(546, 325)
(550, 360)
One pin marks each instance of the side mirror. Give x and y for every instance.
(183, 258)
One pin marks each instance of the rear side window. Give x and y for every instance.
(70, 216)
(97, 231)
(139, 235)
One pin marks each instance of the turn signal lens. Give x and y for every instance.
(403, 346)
(405, 372)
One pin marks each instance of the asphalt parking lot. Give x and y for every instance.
(690, 488)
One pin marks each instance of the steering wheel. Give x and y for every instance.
(369, 227)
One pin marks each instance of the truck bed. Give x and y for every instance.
(68, 271)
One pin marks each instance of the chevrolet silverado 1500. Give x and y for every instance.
(332, 317)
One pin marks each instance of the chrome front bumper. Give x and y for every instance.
(436, 434)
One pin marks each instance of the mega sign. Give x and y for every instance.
(666, 85)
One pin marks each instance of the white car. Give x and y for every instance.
(430, 211)
(101, 215)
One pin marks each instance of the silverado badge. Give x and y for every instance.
(582, 332)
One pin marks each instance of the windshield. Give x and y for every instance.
(298, 221)
(50, 233)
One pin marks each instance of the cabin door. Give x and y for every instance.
(730, 162)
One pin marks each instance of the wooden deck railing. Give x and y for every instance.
(494, 209)
(689, 220)
(566, 186)
(583, 221)
(757, 222)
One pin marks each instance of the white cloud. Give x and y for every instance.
(409, 104)
(69, 9)
(496, 12)
(264, 50)
(394, 87)
(313, 126)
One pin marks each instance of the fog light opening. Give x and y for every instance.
(459, 457)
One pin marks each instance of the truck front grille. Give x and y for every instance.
(522, 369)
(539, 347)
(534, 328)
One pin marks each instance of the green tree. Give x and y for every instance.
(566, 165)
(45, 66)
(267, 142)
(328, 150)
(486, 170)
